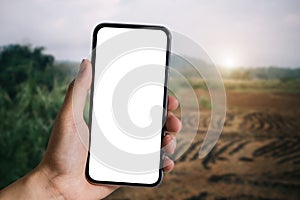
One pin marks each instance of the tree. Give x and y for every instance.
(32, 89)
(21, 62)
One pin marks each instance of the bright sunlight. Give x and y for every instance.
(229, 61)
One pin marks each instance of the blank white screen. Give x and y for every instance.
(107, 137)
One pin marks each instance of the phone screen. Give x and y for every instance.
(128, 104)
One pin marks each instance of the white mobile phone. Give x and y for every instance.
(128, 104)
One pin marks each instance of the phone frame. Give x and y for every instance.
(165, 98)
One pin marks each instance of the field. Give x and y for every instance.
(256, 157)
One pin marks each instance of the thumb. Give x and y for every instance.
(81, 87)
(84, 76)
(74, 102)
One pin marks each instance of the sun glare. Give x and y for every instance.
(229, 62)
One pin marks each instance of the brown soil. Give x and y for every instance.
(256, 157)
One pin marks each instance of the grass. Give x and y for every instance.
(204, 102)
(272, 85)
(292, 86)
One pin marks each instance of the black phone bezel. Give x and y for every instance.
(165, 99)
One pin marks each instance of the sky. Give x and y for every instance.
(232, 32)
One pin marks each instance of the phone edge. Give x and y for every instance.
(165, 100)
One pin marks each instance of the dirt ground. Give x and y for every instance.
(256, 157)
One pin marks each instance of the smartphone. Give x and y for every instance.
(128, 104)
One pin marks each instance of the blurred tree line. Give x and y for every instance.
(265, 73)
(32, 89)
(186, 68)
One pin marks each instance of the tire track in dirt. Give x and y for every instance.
(256, 157)
(252, 122)
(266, 140)
(268, 122)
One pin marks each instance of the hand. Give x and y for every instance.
(61, 173)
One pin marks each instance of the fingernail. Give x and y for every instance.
(82, 66)
(81, 69)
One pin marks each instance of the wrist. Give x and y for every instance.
(40, 186)
(35, 185)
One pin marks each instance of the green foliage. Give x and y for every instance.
(278, 86)
(263, 73)
(32, 88)
(204, 102)
(240, 74)
(19, 63)
(198, 84)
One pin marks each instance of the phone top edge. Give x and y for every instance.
(134, 26)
